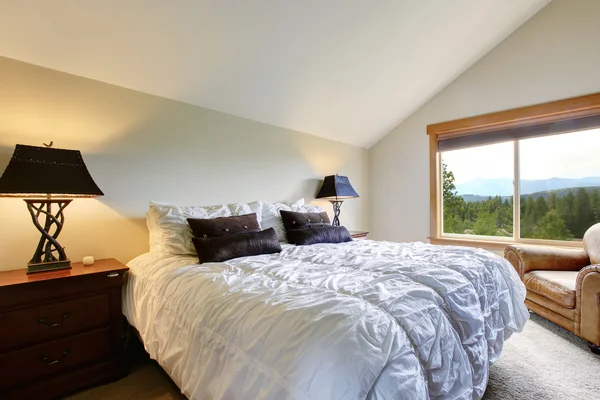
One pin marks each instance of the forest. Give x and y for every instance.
(563, 214)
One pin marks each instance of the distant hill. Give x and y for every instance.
(562, 192)
(545, 194)
(504, 186)
(475, 197)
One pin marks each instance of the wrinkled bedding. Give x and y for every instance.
(357, 320)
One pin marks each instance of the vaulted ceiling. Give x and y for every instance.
(348, 70)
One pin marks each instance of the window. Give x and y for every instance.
(524, 175)
(559, 185)
(478, 201)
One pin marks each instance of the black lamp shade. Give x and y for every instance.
(336, 187)
(35, 171)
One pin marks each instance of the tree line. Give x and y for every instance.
(564, 217)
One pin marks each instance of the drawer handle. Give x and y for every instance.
(64, 354)
(44, 321)
(113, 274)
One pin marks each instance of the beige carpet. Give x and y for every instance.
(544, 362)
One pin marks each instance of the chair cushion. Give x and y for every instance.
(591, 243)
(568, 313)
(558, 286)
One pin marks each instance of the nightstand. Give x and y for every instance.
(359, 234)
(60, 331)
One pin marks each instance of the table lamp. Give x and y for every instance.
(45, 177)
(336, 189)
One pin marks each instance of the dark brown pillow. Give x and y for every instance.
(223, 248)
(318, 234)
(299, 220)
(213, 227)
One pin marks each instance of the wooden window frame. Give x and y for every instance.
(555, 111)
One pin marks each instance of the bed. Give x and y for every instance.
(357, 320)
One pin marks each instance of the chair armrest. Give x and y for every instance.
(525, 258)
(587, 317)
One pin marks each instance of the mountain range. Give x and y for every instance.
(504, 186)
(545, 194)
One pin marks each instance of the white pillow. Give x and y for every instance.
(168, 227)
(271, 218)
(311, 209)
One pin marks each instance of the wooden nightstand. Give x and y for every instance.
(60, 331)
(359, 234)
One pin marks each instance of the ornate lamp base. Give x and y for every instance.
(337, 204)
(48, 266)
(44, 258)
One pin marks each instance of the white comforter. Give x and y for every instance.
(358, 320)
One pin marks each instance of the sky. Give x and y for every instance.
(570, 155)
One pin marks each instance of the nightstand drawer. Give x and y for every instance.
(36, 324)
(34, 363)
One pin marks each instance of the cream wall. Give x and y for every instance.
(140, 147)
(555, 55)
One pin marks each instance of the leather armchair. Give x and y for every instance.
(563, 286)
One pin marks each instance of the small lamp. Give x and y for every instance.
(336, 189)
(45, 177)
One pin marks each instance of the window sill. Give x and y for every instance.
(497, 245)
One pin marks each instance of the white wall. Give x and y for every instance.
(555, 55)
(140, 147)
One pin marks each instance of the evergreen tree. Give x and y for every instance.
(584, 213)
(540, 208)
(528, 217)
(595, 202)
(453, 224)
(451, 202)
(552, 227)
(485, 224)
(552, 201)
(450, 195)
(566, 209)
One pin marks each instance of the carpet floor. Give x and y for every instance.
(544, 362)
